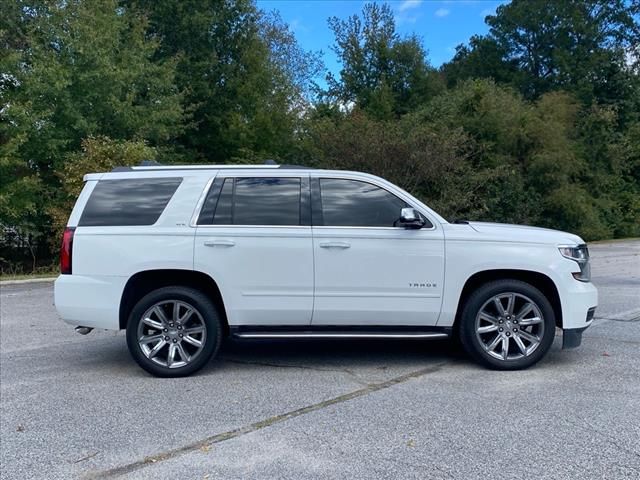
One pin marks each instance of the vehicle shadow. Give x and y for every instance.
(111, 357)
(344, 353)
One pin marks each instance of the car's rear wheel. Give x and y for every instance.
(507, 325)
(173, 331)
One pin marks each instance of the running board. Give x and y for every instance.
(262, 332)
(339, 335)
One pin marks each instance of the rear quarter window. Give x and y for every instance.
(138, 201)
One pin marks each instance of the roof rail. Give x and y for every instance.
(152, 165)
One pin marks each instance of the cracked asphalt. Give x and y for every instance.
(78, 407)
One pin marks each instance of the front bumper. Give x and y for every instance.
(579, 301)
(572, 337)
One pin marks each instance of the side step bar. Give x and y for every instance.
(340, 335)
(246, 332)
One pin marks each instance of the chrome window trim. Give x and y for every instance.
(253, 226)
(377, 228)
(203, 196)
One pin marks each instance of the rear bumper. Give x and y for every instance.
(89, 301)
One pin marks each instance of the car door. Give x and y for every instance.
(368, 271)
(253, 238)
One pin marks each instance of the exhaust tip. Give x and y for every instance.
(83, 330)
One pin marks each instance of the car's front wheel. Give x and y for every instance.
(173, 331)
(507, 325)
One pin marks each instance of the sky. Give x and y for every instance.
(441, 24)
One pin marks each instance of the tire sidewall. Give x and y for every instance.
(197, 300)
(475, 301)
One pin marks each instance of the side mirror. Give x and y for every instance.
(409, 218)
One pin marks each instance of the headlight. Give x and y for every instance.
(580, 255)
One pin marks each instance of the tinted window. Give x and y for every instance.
(138, 201)
(351, 203)
(223, 208)
(259, 201)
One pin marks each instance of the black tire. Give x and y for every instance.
(474, 345)
(207, 312)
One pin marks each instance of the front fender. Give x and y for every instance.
(464, 259)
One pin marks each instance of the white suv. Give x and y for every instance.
(182, 257)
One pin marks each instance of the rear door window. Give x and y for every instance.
(136, 201)
(224, 207)
(255, 201)
(266, 201)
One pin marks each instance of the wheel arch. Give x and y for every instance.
(146, 281)
(539, 280)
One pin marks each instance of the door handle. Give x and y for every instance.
(219, 243)
(335, 244)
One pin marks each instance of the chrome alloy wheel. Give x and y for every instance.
(172, 333)
(509, 326)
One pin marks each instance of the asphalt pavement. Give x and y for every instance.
(79, 407)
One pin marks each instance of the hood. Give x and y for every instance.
(503, 232)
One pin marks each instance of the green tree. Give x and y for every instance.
(421, 158)
(495, 120)
(382, 73)
(19, 184)
(613, 174)
(582, 46)
(244, 75)
(77, 69)
(483, 57)
(577, 62)
(521, 154)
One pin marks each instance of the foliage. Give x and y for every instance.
(579, 45)
(243, 74)
(423, 159)
(382, 73)
(79, 69)
(483, 57)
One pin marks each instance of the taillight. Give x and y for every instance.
(66, 250)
